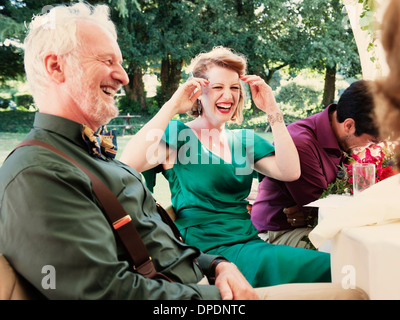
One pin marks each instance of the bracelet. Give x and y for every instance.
(211, 274)
(273, 119)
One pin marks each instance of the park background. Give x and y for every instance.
(308, 51)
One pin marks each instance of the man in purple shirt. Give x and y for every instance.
(321, 140)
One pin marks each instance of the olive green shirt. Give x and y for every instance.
(50, 218)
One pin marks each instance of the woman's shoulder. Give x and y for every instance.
(254, 143)
(247, 136)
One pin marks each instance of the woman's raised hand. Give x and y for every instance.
(187, 93)
(261, 93)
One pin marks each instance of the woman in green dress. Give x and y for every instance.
(210, 169)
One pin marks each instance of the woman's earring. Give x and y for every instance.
(199, 108)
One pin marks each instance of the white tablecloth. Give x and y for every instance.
(327, 207)
(368, 257)
(364, 232)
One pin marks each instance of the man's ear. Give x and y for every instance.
(349, 126)
(54, 67)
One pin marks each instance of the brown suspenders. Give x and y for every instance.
(118, 218)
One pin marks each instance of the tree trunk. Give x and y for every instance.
(170, 77)
(239, 7)
(329, 86)
(135, 91)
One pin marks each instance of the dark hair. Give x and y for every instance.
(357, 103)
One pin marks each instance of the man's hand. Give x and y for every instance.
(295, 216)
(232, 284)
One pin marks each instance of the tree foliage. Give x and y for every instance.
(137, 41)
(330, 41)
(161, 36)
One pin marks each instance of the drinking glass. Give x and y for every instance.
(363, 176)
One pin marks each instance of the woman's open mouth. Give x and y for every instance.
(224, 107)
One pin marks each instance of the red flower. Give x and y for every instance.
(387, 172)
(379, 154)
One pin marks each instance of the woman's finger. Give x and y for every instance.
(251, 78)
(203, 82)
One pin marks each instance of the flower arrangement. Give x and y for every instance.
(380, 154)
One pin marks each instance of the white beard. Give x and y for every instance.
(86, 97)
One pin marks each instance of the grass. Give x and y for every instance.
(8, 142)
(162, 194)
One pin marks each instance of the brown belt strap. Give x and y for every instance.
(120, 220)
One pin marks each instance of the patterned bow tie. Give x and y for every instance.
(103, 142)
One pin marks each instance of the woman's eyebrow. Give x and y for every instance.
(220, 83)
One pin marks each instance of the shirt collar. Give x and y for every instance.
(324, 131)
(67, 128)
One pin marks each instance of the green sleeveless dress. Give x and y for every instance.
(208, 196)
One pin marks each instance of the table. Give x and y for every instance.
(327, 207)
(368, 257)
(127, 125)
(364, 235)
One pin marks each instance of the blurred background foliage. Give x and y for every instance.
(302, 48)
